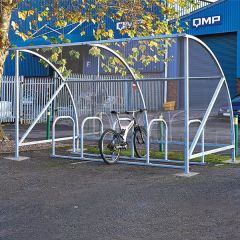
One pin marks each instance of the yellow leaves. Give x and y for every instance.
(34, 22)
(45, 12)
(40, 18)
(22, 35)
(120, 13)
(95, 51)
(110, 33)
(172, 1)
(54, 57)
(168, 32)
(142, 48)
(93, 21)
(153, 44)
(138, 18)
(98, 32)
(14, 25)
(82, 33)
(101, 14)
(24, 14)
(30, 12)
(74, 54)
(103, 33)
(134, 50)
(61, 23)
(147, 59)
(131, 33)
(61, 37)
(180, 30)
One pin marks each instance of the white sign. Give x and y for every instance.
(206, 21)
(123, 25)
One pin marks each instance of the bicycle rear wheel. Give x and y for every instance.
(140, 138)
(110, 146)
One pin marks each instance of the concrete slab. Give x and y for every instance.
(19, 159)
(231, 161)
(191, 174)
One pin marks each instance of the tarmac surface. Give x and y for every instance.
(45, 199)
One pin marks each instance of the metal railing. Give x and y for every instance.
(6, 101)
(198, 4)
(92, 94)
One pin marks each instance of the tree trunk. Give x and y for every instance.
(6, 7)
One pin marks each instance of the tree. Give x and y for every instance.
(143, 18)
(6, 8)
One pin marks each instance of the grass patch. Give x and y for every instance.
(175, 155)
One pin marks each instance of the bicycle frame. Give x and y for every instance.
(124, 130)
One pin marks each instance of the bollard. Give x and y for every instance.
(236, 134)
(48, 125)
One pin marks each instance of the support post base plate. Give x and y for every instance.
(191, 174)
(18, 159)
(232, 162)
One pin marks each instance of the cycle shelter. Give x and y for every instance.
(176, 78)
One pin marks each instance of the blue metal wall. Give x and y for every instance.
(31, 67)
(221, 36)
(224, 47)
(230, 21)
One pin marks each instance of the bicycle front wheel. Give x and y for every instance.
(110, 146)
(140, 138)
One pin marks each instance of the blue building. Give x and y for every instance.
(218, 25)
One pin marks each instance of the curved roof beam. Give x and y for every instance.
(50, 101)
(228, 92)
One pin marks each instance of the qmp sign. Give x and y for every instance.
(206, 21)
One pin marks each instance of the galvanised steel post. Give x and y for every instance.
(236, 134)
(21, 79)
(166, 73)
(16, 104)
(186, 105)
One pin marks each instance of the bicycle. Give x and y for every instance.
(112, 142)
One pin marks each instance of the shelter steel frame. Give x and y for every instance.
(188, 149)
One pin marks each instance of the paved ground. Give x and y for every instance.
(50, 199)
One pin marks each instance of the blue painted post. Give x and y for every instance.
(48, 125)
(161, 146)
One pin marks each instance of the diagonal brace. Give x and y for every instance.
(206, 116)
(42, 112)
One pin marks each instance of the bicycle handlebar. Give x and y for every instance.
(130, 112)
(136, 111)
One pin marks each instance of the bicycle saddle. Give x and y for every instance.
(114, 112)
